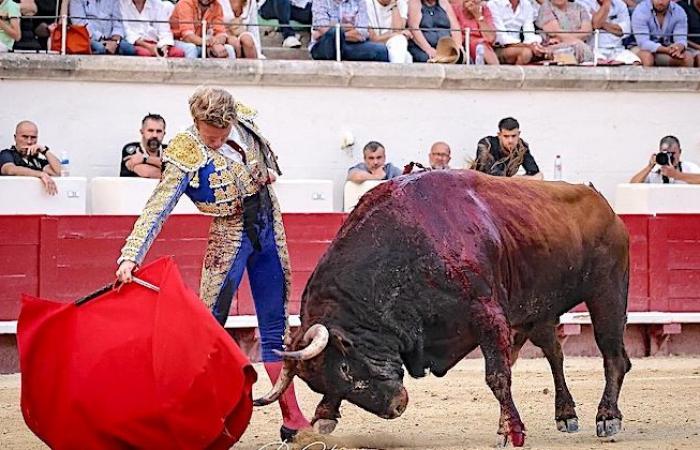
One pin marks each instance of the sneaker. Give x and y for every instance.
(291, 42)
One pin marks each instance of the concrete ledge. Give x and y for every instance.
(345, 74)
(637, 318)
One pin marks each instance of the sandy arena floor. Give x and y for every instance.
(659, 401)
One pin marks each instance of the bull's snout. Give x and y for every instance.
(398, 405)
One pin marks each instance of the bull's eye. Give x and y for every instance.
(344, 368)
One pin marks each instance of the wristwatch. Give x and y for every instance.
(46, 149)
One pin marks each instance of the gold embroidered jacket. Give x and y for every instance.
(216, 184)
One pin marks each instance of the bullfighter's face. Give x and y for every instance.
(344, 371)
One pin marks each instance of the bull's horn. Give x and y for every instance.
(283, 382)
(318, 337)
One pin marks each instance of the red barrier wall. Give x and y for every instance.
(65, 257)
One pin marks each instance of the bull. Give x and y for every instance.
(432, 265)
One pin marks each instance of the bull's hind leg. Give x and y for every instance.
(544, 336)
(495, 341)
(609, 317)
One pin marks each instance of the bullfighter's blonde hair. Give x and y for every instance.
(213, 106)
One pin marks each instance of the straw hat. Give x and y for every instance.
(448, 52)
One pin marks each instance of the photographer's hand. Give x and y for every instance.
(670, 171)
(652, 161)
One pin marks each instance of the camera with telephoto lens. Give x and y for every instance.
(664, 158)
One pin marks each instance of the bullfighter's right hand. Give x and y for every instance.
(124, 271)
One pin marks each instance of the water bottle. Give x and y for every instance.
(65, 164)
(479, 58)
(557, 168)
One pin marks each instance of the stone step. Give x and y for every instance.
(279, 52)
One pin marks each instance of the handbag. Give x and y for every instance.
(77, 39)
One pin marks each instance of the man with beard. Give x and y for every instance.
(503, 155)
(142, 159)
(661, 30)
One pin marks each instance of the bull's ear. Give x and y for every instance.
(340, 340)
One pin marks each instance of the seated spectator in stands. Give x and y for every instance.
(439, 155)
(354, 37)
(28, 158)
(374, 166)
(663, 45)
(670, 168)
(142, 159)
(40, 25)
(503, 155)
(9, 25)
(387, 21)
(186, 24)
(103, 19)
(436, 19)
(568, 26)
(284, 11)
(612, 18)
(692, 11)
(475, 15)
(238, 17)
(520, 44)
(148, 36)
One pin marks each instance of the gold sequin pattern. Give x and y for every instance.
(235, 207)
(186, 152)
(163, 199)
(225, 235)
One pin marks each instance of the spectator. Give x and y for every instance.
(354, 43)
(186, 23)
(238, 16)
(387, 21)
(149, 36)
(28, 158)
(567, 26)
(142, 159)
(103, 19)
(374, 166)
(612, 18)
(692, 11)
(663, 45)
(9, 25)
(45, 9)
(476, 16)
(670, 167)
(436, 19)
(284, 11)
(439, 155)
(503, 155)
(520, 44)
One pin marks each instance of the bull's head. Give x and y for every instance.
(332, 364)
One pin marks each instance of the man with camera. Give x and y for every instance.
(143, 159)
(670, 167)
(28, 158)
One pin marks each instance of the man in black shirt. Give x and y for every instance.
(692, 10)
(28, 158)
(142, 159)
(503, 155)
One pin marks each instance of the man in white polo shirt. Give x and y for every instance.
(670, 167)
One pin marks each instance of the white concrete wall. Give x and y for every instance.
(603, 136)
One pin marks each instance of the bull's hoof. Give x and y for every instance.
(325, 426)
(609, 427)
(516, 438)
(568, 425)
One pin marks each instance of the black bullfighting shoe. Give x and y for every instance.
(287, 434)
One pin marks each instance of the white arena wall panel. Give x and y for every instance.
(605, 128)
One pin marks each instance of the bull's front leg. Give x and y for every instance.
(495, 341)
(327, 415)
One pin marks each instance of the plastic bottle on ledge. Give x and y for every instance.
(557, 168)
(479, 57)
(65, 164)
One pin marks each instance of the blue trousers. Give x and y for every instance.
(125, 48)
(284, 11)
(349, 51)
(267, 282)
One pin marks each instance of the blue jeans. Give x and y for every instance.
(125, 48)
(284, 11)
(195, 51)
(349, 51)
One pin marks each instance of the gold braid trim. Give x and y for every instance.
(186, 152)
(283, 252)
(246, 112)
(148, 225)
(225, 235)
